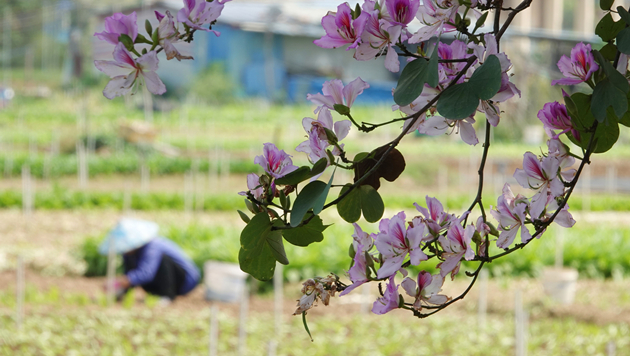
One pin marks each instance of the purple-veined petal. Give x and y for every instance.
(154, 83)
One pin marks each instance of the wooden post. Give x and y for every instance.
(111, 273)
(19, 309)
(242, 323)
(27, 191)
(214, 331)
(278, 299)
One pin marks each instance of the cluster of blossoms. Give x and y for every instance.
(132, 68)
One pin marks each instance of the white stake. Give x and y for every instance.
(111, 273)
(272, 347)
(611, 348)
(483, 299)
(27, 191)
(442, 179)
(82, 165)
(214, 331)
(7, 46)
(127, 199)
(225, 168)
(148, 104)
(611, 179)
(242, 323)
(19, 310)
(520, 325)
(365, 298)
(586, 195)
(278, 298)
(144, 176)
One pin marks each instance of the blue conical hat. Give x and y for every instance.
(129, 234)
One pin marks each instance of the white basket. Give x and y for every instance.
(560, 284)
(224, 282)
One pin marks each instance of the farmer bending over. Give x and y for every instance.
(152, 262)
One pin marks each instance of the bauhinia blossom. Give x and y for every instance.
(511, 214)
(435, 218)
(402, 12)
(395, 242)
(274, 161)
(362, 243)
(579, 67)
(426, 290)
(168, 35)
(128, 73)
(341, 29)
(198, 13)
(456, 245)
(542, 176)
(254, 186)
(119, 24)
(317, 143)
(316, 288)
(554, 116)
(389, 300)
(334, 92)
(437, 16)
(379, 37)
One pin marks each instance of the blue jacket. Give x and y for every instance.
(149, 256)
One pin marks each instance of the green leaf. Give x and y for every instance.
(318, 206)
(623, 41)
(487, 78)
(461, 100)
(606, 136)
(307, 234)
(309, 195)
(580, 112)
(609, 51)
(458, 102)
(303, 173)
(414, 76)
(274, 239)
(255, 256)
(606, 4)
(361, 199)
(608, 29)
(371, 204)
(244, 217)
(606, 94)
(623, 13)
(349, 208)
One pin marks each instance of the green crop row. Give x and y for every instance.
(126, 163)
(596, 252)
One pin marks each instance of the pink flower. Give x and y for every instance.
(437, 125)
(169, 35)
(275, 162)
(435, 218)
(394, 242)
(317, 144)
(541, 176)
(119, 24)
(402, 12)
(554, 116)
(128, 73)
(379, 37)
(334, 92)
(437, 16)
(389, 301)
(362, 243)
(426, 291)
(197, 13)
(456, 245)
(341, 29)
(456, 50)
(510, 213)
(560, 151)
(254, 186)
(579, 68)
